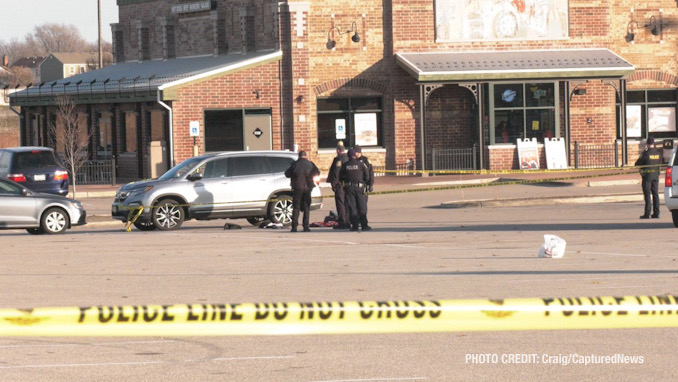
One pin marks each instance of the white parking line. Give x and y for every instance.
(85, 344)
(373, 379)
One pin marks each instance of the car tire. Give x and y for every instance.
(54, 221)
(280, 210)
(674, 215)
(255, 221)
(35, 231)
(168, 215)
(145, 226)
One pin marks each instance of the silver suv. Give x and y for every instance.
(671, 186)
(249, 184)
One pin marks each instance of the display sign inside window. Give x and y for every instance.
(661, 119)
(365, 129)
(340, 128)
(481, 20)
(633, 121)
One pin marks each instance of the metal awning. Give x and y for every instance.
(140, 81)
(566, 64)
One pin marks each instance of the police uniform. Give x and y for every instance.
(652, 158)
(354, 175)
(370, 174)
(339, 194)
(301, 174)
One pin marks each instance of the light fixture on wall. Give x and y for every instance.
(630, 34)
(655, 26)
(300, 99)
(354, 29)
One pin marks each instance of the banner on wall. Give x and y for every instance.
(481, 20)
(528, 154)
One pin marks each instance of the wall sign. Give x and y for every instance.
(194, 128)
(197, 6)
(340, 128)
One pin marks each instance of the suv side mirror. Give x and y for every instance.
(26, 192)
(194, 176)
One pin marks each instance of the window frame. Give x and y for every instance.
(645, 106)
(349, 115)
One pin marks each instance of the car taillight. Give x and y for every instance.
(668, 182)
(60, 175)
(16, 177)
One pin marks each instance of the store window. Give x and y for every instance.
(523, 110)
(649, 113)
(355, 121)
(223, 130)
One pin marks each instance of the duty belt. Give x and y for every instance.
(359, 185)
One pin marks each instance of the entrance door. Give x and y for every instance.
(258, 132)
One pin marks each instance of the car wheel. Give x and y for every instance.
(280, 211)
(54, 220)
(674, 214)
(144, 226)
(168, 215)
(35, 231)
(255, 221)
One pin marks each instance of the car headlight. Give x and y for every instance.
(77, 205)
(139, 191)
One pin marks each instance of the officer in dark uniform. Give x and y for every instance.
(301, 174)
(339, 194)
(354, 174)
(651, 158)
(370, 170)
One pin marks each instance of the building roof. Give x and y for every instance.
(140, 81)
(75, 58)
(514, 65)
(29, 62)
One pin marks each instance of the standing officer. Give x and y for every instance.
(339, 195)
(651, 158)
(301, 174)
(354, 174)
(370, 173)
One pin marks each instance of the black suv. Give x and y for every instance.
(36, 168)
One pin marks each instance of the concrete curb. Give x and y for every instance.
(614, 198)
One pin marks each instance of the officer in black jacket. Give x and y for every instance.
(651, 158)
(369, 186)
(301, 174)
(339, 194)
(354, 174)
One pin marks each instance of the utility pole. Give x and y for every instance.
(101, 59)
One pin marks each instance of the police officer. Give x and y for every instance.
(301, 174)
(354, 174)
(339, 194)
(651, 158)
(370, 170)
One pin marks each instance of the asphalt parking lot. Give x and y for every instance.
(419, 250)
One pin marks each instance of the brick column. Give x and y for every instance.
(298, 94)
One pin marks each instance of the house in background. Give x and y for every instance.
(61, 65)
(31, 63)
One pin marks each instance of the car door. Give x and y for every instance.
(252, 184)
(213, 190)
(16, 210)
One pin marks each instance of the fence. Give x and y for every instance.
(453, 159)
(96, 172)
(596, 156)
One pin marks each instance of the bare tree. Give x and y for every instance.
(16, 76)
(72, 137)
(15, 49)
(56, 38)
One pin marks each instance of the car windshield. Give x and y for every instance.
(34, 160)
(181, 169)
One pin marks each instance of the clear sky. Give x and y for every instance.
(19, 17)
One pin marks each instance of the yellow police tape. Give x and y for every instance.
(352, 317)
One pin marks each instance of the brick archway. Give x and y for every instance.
(654, 75)
(349, 83)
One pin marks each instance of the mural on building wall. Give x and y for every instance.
(478, 20)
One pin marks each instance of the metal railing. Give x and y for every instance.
(596, 156)
(96, 172)
(453, 159)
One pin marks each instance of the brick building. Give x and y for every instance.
(406, 79)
